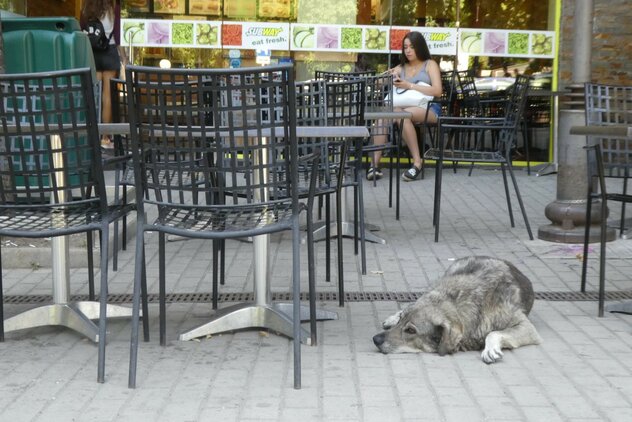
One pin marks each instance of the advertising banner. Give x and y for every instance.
(335, 38)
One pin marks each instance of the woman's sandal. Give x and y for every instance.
(374, 173)
(411, 174)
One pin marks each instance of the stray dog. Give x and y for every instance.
(479, 302)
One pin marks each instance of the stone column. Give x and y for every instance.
(568, 212)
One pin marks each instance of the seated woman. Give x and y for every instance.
(416, 66)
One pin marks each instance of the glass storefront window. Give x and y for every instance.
(323, 44)
(489, 38)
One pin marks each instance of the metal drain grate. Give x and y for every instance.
(322, 297)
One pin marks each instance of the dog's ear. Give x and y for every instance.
(451, 335)
(392, 321)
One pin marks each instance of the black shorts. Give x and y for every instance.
(107, 59)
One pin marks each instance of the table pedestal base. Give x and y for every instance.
(274, 317)
(622, 307)
(77, 316)
(347, 231)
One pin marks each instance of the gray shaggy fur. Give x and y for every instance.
(479, 303)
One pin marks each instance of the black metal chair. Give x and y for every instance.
(379, 94)
(452, 147)
(447, 102)
(609, 167)
(345, 107)
(215, 157)
(51, 174)
(311, 110)
(119, 159)
(378, 99)
(333, 76)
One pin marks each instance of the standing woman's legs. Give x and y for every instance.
(106, 96)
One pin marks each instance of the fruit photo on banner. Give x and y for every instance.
(303, 36)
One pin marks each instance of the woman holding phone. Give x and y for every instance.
(416, 66)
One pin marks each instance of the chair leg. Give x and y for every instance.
(390, 180)
(362, 228)
(625, 192)
(90, 240)
(526, 134)
(1, 302)
(327, 237)
(311, 271)
(356, 233)
(397, 185)
(296, 300)
(138, 274)
(215, 264)
(602, 256)
(507, 195)
(143, 292)
(437, 198)
(124, 222)
(161, 288)
(103, 302)
(586, 237)
(520, 202)
(115, 226)
(341, 289)
(222, 254)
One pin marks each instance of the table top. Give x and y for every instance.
(608, 131)
(379, 113)
(301, 131)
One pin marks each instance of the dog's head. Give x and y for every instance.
(422, 327)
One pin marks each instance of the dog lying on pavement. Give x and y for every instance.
(479, 303)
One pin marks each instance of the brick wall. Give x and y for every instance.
(611, 60)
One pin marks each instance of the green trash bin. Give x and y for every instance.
(46, 44)
(42, 44)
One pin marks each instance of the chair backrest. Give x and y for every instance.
(448, 93)
(311, 110)
(49, 139)
(514, 109)
(311, 107)
(345, 107)
(118, 94)
(537, 111)
(469, 104)
(610, 105)
(331, 76)
(214, 136)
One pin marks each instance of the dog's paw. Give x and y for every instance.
(392, 320)
(493, 350)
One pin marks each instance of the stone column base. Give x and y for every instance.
(568, 222)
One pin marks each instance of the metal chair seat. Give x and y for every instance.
(225, 222)
(60, 220)
(467, 156)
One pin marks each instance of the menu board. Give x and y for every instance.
(205, 7)
(335, 38)
(169, 6)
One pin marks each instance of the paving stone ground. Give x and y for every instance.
(581, 372)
